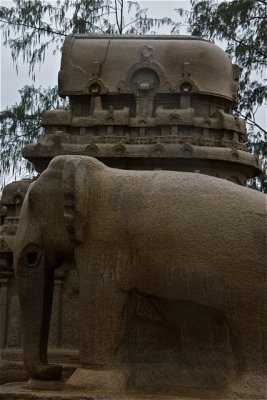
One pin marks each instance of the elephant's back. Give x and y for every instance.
(181, 203)
(182, 219)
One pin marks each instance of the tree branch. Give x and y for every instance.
(132, 22)
(121, 14)
(244, 44)
(33, 27)
(252, 122)
(117, 19)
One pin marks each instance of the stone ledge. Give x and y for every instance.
(17, 391)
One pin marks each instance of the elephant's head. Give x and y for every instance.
(52, 219)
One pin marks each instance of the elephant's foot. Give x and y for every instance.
(109, 381)
(250, 385)
(45, 372)
(37, 384)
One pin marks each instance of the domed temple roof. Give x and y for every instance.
(148, 102)
(173, 59)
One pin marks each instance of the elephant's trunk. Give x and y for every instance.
(35, 286)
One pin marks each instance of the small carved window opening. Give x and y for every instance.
(145, 80)
(18, 199)
(95, 89)
(186, 87)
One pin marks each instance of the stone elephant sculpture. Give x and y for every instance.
(179, 257)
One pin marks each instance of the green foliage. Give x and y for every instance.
(21, 125)
(241, 25)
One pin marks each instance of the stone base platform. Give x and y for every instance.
(60, 391)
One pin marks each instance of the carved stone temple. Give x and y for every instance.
(148, 103)
(170, 248)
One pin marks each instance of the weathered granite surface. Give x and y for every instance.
(168, 105)
(171, 295)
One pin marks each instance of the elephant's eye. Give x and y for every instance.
(32, 258)
(31, 255)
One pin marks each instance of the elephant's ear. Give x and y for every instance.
(75, 184)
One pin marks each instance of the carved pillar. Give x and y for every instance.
(14, 331)
(4, 281)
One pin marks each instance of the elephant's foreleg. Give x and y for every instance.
(35, 286)
(102, 305)
(102, 330)
(102, 324)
